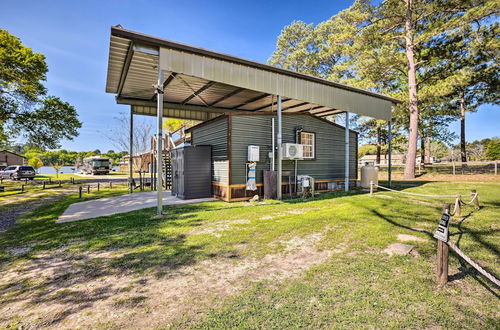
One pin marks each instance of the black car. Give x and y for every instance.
(18, 172)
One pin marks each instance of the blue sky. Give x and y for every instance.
(74, 36)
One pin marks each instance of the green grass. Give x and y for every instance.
(359, 287)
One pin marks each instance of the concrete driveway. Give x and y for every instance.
(121, 204)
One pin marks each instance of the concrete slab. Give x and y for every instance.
(121, 204)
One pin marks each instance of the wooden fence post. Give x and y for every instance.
(98, 186)
(458, 207)
(43, 185)
(59, 183)
(110, 184)
(80, 192)
(476, 200)
(88, 189)
(22, 188)
(442, 256)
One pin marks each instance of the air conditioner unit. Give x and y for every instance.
(292, 151)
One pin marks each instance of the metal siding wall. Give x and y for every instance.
(256, 130)
(249, 130)
(215, 135)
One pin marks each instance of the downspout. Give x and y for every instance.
(273, 147)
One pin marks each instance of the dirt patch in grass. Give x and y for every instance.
(66, 290)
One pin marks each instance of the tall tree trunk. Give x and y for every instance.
(379, 144)
(463, 152)
(412, 94)
(428, 151)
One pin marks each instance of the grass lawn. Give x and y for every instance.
(315, 263)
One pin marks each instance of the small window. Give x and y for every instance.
(307, 139)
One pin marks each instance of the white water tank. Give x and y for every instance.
(369, 173)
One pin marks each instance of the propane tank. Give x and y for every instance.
(369, 173)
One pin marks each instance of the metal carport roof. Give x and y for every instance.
(201, 84)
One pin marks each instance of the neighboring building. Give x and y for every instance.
(141, 162)
(231, 134)
(8, 158)
(396, 159)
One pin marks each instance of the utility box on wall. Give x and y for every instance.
(191, 172)
(253, 153)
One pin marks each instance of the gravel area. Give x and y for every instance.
(9, 217)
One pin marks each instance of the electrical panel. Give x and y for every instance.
(253, 153)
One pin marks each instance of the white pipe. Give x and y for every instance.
(159, 142)
(280, 155)
(131, 150)
(346, 151)
(273, 144)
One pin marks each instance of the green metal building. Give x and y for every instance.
(231, 134)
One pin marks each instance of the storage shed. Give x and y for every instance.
(231, 134)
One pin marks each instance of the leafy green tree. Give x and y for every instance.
(35, 162)
(25, 107)
(493, 150)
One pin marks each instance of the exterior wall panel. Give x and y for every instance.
(215, 134)
(329, 146)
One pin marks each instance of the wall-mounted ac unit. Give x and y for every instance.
(292, 151)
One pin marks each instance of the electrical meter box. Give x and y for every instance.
(253, 153)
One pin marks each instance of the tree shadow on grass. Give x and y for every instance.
(464, 268)
(67, 257)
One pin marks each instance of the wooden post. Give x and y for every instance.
(442, 263)
(43, 185)
(26, 180)
(476, 200)
(110, 184)
(442, 256)
(59, 183)
(496, 167)
(50, 180)
(22, 188)
(80, 192)
(98, 186)
(88, 189)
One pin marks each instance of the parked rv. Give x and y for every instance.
(96, 165)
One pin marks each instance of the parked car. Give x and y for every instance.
(17, 172)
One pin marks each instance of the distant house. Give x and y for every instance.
(8, 158)
(396, 159)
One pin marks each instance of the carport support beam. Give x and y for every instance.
(159, 146)
(346, 183)
(280, 154)
(130, 159)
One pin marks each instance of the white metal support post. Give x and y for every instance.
(159, 143)
(389, 167)
(280, 153)
(130, 152)
(346, 183)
